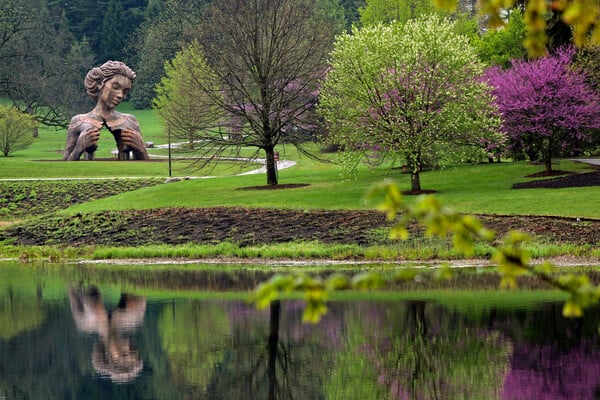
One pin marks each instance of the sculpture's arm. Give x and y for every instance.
(133, 140)
(87, 142)
(81, 138)
(72, 136)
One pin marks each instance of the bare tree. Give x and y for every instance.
(266, 59)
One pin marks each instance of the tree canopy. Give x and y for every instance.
(548, 107)
(15, 130)
(500, 46)
(186, 110)
(406, 89)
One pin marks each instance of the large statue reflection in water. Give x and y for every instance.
(113, 355)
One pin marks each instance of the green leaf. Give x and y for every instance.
(337, 281)
(508, 282)
(572, 310)
(445, 272)
(264, 294)
(314, 311)
(367, 280)
(449, 5)
(405, 275)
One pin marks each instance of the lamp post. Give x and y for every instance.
(169, 139)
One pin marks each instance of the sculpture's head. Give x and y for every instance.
(98, 76)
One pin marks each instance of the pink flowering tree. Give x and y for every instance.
(548, 108)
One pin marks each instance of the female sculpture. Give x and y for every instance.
(108, 84)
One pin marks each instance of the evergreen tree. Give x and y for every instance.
(111, 40)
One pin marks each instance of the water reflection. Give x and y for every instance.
(110, 339)
(113, 355)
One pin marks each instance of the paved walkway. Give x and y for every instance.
(593, 161)
(281, 164)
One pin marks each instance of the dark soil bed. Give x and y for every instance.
(255, 226)
(566, 180)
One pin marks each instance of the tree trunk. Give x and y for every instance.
(36, 132)
(548, 164)
(271, 166)
(272, 345)
(547, 154)
(414, 163)
(415, 181)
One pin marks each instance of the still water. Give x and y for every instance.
(92, 332)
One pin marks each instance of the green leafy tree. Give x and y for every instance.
(576, 19)
(185, 110)
(588, 59)
(351, 12)
(111, 40)
(14, 19)
(500, 46)
(15, 130)
(405, 89)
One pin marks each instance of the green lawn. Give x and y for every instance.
(483, 188)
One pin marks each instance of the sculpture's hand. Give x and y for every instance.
(87, 142)
(89, 139)
(132, 140)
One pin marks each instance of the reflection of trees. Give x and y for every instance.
(553, 357)
(193, 335)
(228, 350)
(361, 350)
(276, 361)
(544, 371)
(441, 356)
(18, 313)
(420, 351)
(173, 279)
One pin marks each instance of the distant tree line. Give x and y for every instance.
(258, 84)
(47, 46)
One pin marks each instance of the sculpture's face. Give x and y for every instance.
(115, 90)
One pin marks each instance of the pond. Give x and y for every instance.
(187, 332)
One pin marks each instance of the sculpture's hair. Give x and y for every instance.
(95, 78)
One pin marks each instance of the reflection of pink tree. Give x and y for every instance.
(543, 372)
(548, 107)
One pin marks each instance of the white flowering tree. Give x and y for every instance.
(407, 90)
